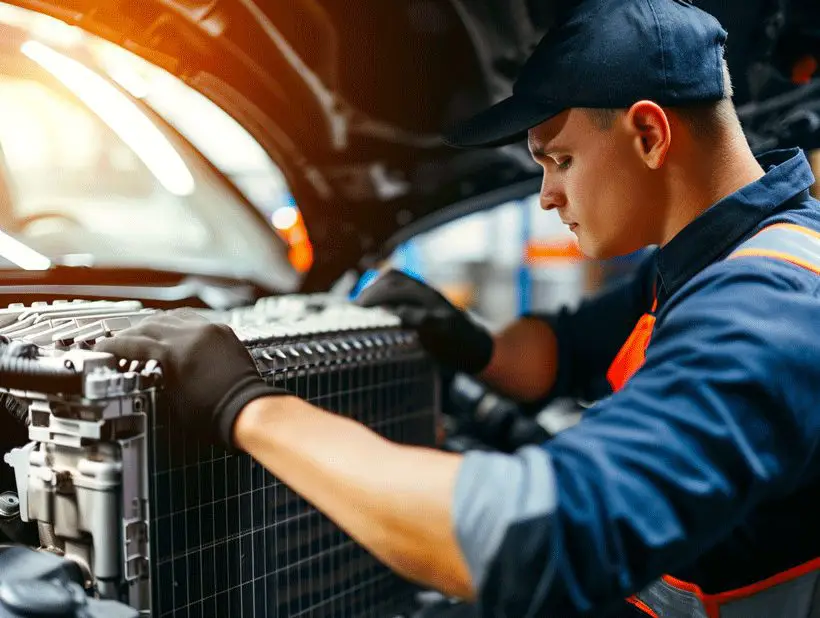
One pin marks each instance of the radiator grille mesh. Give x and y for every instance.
(228, 539)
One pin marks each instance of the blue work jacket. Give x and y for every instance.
(705, 466)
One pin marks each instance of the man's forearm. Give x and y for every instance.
(525, 360)
(395, 500)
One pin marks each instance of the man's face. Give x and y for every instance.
(596, 180)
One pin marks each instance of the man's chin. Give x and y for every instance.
(597, 250)
(590, 250)
(598, 253)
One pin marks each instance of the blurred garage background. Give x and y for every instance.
(498, 262)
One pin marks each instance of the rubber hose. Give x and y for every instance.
(34, 375)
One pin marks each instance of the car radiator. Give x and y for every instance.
(174, 527)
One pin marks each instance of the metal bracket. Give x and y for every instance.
(19, 459)
(135, 549)
(136, 535)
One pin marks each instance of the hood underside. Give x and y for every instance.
(349, 98)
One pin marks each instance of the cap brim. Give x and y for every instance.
(504, 123)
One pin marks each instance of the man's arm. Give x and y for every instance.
(563, 354)
(395, 500)
(657, 474)
(524, 364)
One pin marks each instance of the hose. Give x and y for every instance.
(48, 538)
(37, 375)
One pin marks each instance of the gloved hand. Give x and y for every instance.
(446, 332)
(209, 374)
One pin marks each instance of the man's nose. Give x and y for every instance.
(551, 195)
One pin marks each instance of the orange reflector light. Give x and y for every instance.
(804, 69)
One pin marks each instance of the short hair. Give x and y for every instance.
(705, 120)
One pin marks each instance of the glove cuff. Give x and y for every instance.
(484, 345)
(234, 401)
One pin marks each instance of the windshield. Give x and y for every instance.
(90, 175)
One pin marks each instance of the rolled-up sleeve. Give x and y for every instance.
(722, 417)
(503, 506)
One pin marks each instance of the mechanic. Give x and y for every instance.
(692, 488)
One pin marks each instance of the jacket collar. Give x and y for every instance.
(725, 224)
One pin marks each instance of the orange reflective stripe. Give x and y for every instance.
(789, 226)
(748, 248)
(713, 602)
(710, 606)
(780, 578)
(642, 606)
(632, 355)
(796, 588)
(777, 255)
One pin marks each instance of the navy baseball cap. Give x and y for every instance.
(608, 54)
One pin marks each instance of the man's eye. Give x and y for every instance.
(564, 163)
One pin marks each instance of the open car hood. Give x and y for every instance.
(349, 98)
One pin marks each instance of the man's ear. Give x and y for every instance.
(649, 127)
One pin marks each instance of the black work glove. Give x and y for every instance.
(446, 332)
(208, 373)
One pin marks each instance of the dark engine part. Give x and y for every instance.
(13, 433)
(484, 420)
(11, 526)
(41, 584)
